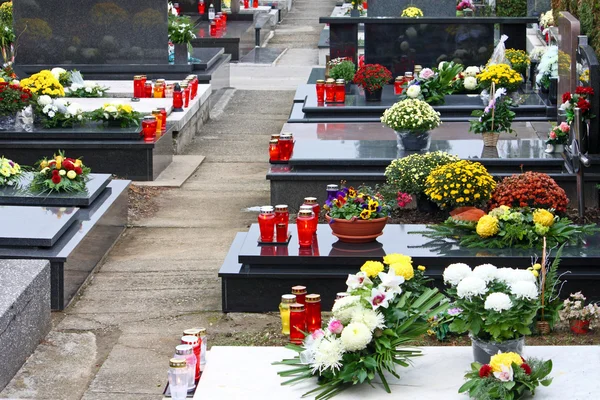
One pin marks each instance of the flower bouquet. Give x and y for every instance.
(547, 67)
(60, 174)
(44, 82)
(372, 77)
(579, 315)
(412, 12)
(412, 119)
(507, 376)
(519, 60)
(497, 117)
(81, 88)
(62, 75)
(578, 100)
(369, 330)
(432, 85)
(13, 98)
(559, 135)
(502, 75)
(498, 306)
(119, 114)
(59, 113)
(10, 172)
(459, 184)
(505, 227)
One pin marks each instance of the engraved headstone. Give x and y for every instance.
(394, 8)
(57, 32)
(568, 29)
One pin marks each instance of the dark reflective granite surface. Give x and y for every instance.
(394, 8)
(343, 41)
(90, 131)
(91, 32)
(235, 30)
(35, 226)
(20, 195)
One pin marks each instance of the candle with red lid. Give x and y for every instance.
(313, 312)
(297, 323)
(266, 224)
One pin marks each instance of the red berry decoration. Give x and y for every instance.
(531, 189)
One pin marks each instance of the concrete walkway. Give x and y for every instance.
(114, 341)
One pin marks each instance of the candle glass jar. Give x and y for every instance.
(169, 91)
(274, 150)
(255, 4)
(195, 343)
(138, 86)
(282, 232)
(300, 293)
(282, 214)
(201, 7)
(297, 323)
(246, 3)
(332, 191)
(320, 91)
(177, 8)
(266, 224)
(329, 91)
(286, 145)
(213, 29)
(304, 223)
(340, 91)
(159, 91)
(149, 128)
(177, 98)
(186, 95)
(313, 312)
(284, 312)
(398, 85)
(312, 201)
(186, 352)
(178, 378)
(418, 70)
(156, 114)
(148, 90)
(314, 220)
(163, 116)
(341, 295)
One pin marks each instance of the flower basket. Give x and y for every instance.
(490, 139)
(484, 350)
(580, 327)
(356, 231)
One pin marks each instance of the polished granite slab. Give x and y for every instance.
(234, 30)
(91, 131)
(20, 195)
(34, 226)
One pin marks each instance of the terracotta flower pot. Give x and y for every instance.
(356, 231)
(580, 327)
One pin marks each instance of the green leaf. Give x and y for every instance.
(467, 385)
(370, 362)
(546, 382)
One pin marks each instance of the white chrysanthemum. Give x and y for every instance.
(497, 302)
(413, 91)
(524, 290)
(344, 308)
(471, 71)
(56, 72)
(470, 83)
(471, 286)
(371, 318)
(44, 100)
(356, 336)
(510, 276)
(328, 355)
(505, 275)
(487, 272)
(454, 273)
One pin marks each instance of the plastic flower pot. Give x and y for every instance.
(413, 140)
(580, 327)
(484, 350)
(356, 231)
(374, 95)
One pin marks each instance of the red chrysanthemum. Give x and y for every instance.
(54, 172)
(68, 165)
(56, 179)
(584, 90)
(485, 371)
(78, 170)
(566, 97)
(526, 368)
(584, 105)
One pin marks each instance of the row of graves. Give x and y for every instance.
(92, 100)
(390, 130)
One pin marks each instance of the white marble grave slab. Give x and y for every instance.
(144, 106)
(246, 373)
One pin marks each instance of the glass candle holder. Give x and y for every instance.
(159, 91)
(297, 323)
(417, 70)
(266, 224)
(312, 201)
(195, 343)
(281, 230)
(365, 5)
(286, 146)
(138, 86)
(213, 29)
(282, 214)
(255, 4)
(340, 91)
(329, 91)
(186, 95)
(156, 114)
(177, 99)
(178, 378)
(143, 79)
(332, 191)
(246, 3)
(300, 293)
(398, 85)
(314, 220)
(284, 312)
(304, 223)
(313, 312)
(163, 116)
(149, 128)
(148, 89)
(186, 352)
(177, 8)
(320, 91)
(341, 295)
(169, 91)
(274, 150)
(275, 136)
(201, 7)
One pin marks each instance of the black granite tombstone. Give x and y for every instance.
(589, 75)
(394, 8)
(59, 32)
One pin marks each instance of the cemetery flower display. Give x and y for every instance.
(559, 134)
(547, 19)
(10, 172)
(62, 75)
(181, 29)
(432, 85)
(44, 82)
(502, 75)
(575, 309)
(505, 227)
(372, 77)
(547, 67)
(344, 70)
(531, 189)
(366, 337)
(464, 5)
(408, 174)
(507, 376)
(59, 113)
(13, 98)
(497, 116)
(7, 34)
(550, 284)
(120, 114)
(411, 115)
(361, 204)
(60, 174)
(458, 184)
(82, 88)
(412, 12)
(519, 60)
(579, 99)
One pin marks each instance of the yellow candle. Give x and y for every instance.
(284, 311)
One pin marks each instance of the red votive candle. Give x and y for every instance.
(163, 116)
(320, 91)
(304, 223)
(213, 29)
(312, 201)
(286, 146)
(149, 128)
(255, 4)
(340, 91)
(177, 98)
(314, 220)
(195, 342)
(266, 224)
(201, 7)
(186, 95)
(297, 323)
(300, 292)
(138, 86)
(282, 232)
(282, 214)
(330, 91)
(246, 3)
(398, 85)
(274, 150)
(313, 312)
(148, 89)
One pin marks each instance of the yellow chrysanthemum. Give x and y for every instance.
(403, 269)
(487, 226)
(421, 268)
(372, 268)
(543, 217)
(506, 359)
(396, 258)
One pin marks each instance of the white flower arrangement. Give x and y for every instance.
(59, 113)
(87, 89)
(547, 19)
(411, 115)
(548, 66)
(471, 71)
(470, 83)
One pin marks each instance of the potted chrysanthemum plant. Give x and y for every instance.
(372, 78)
(412, 120)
